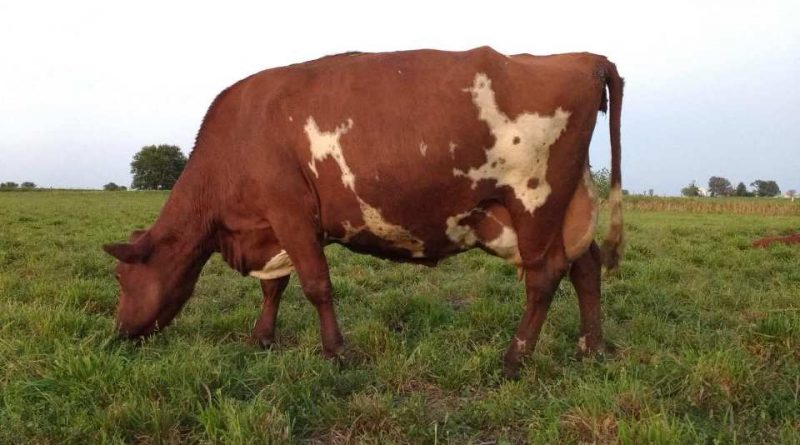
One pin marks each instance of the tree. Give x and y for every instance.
(28, 185)
(765, 188)
(9, 186)
(157, 167)
(602, 180)
(112, 187)
(791, 193)
(690, 190)
(719, 186)
(741, 190)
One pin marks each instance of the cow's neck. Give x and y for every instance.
(186, 221)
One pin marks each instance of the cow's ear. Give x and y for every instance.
(135, 252)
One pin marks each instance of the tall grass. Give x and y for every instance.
(732, 206)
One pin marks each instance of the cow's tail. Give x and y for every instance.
(614, 242)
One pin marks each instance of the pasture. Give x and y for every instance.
(706, 336)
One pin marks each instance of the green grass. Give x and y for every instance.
(706, 329)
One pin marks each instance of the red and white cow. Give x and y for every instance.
(411, 156)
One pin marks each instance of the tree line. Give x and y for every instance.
(719, 186)
(154, 167)
(10, 186)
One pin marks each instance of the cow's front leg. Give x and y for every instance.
(540, 285)
(264, 330)
(301, 242)
(317, 288)
(585, 277)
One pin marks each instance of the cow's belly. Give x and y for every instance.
(488, 228)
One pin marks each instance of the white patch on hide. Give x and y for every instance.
(396, 235)
(324, 144)
(505, 246)
(278, 266)
(423, 148)
(464, 236)
(461, 235)
(521, 149)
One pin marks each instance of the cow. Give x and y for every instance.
(763, 243)
(410, 156)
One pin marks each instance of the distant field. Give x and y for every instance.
(706, 329)
(737, 206)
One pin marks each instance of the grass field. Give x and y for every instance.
(706, 330)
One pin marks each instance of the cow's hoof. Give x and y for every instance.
(336, 353)
(592, 348)
(511, 371)
(511, 365)
(264, 343)
(337, 357)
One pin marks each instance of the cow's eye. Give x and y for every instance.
(117, 276)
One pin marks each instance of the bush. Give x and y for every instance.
(602, 180)
(157, 167)
(112, 187)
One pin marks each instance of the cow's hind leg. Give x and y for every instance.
(585, 276)
(264, 330)
(541, 282)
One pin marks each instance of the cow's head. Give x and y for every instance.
(155, 277)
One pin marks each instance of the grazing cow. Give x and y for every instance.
(766, 241)
(410, 156)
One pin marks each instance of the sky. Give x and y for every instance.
(712, 88)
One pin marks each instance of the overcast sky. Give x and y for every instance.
(713, 88)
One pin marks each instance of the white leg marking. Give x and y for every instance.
(582, 345)
(522, 146)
